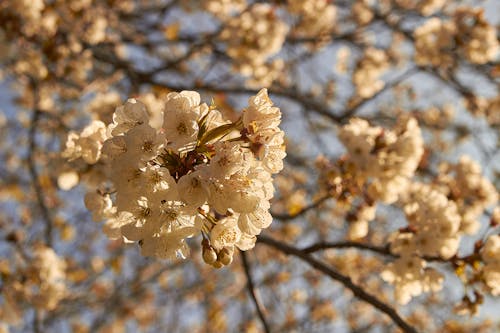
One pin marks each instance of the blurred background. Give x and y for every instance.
(65, 63)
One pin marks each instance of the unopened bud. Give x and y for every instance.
(209, 255)
(217, 264)
(225, 256)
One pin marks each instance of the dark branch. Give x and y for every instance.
(285, 217)
(32, 167)
(344, 280)
(251, 291)
(384, 250)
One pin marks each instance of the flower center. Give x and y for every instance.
(181, 128)
(148, 146)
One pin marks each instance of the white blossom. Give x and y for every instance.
(87, 144)
(196, 174)
(127, 116)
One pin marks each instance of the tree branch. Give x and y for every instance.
(251, 290)
(315, 204)
(344, 280)
(32, 167)
(384, 250)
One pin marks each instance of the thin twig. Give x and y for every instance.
(386, 251)
(344, 280)
(251, 290)
(36, 321)
(315, 204)
(348, 244)
(32, 167)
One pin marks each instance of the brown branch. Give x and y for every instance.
(251, 291)
(32, 167)
(36, 321)
(384, 250)
(346, 281)
(315, 204)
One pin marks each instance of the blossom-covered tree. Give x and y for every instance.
(249, 166)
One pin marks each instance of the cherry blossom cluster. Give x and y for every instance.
(224, 8)
(196, 174)
(87, 144)
(472, 193)
(438, 215)
(411, 277)
(478, 39)
(316, 16)
(426, 7)
(437, 40)
(40, 281)
(378, 166)
(434, 223)
(252, 38)
(433, 42)
(368, 70)
(489, 108)
(40, 17)
(26, 23)
(491, 270)
(362, 12)
(384, 159)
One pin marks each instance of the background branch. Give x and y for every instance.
(36, 113)
(252, 291)
(358, 291)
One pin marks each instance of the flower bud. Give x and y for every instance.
(217, 264)
(225, 256)
(209, 255)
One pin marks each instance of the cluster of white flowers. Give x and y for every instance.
(32, 64)
(96, 30)
(263, 75)
(358, 221)
(433, 231)
(197, 173)
(378, 166)
(426, 7)
(469, 189)
(40, 281)
(224, 8)
(37, 17)
(478, 38)
(253, 37)
(87, 144)
(491, 270)
(385, 158)
(438, 215)
(436, 40)
(103, 105)
(316, 16)
(411, 277)
(368, 70)
(50, 272)
(362, 12)
(489, 108)
(434, 222)
(437, 117)
(30, 9)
